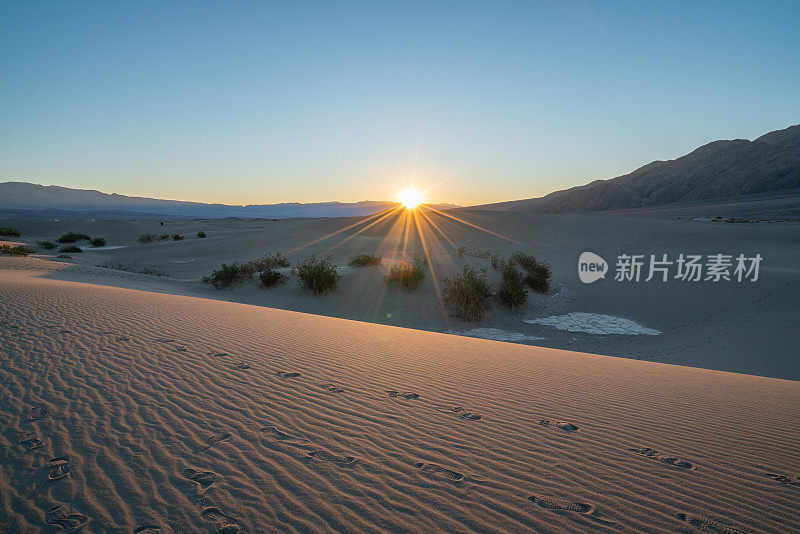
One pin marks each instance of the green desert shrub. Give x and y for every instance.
(13, 232)
(512, 292)
(407, 275)
(18, 250)
(177, 237)
(469, 293)
(70, 248)
(272, 261)
(362, 260)
(164, 237)
(318, 276)
(537, 274)
(271, 278)
(72, 237)
(147, 238)
(201, 234)
(227, 275)
(49, 245)
(98, 242)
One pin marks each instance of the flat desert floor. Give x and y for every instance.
(131, 411)
(747, 327)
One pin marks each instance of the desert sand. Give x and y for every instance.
(741, 327)
(125, 408)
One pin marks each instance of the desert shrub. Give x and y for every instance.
(268, 262)
(318, 276)
(461, 251)
(72, 237)
(537, 274)
(70, 248)
(201, 234)
(147, 238)
(18, 250)
(13, 232)
(469, 292)
(227, 275)
(513, 292)
(271, 278)
(163, 237)
(98, 242)
(496, 262)
(362, 260)
(407, 275)
(49, 245)
(177, 237)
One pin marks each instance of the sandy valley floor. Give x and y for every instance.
(742, 327)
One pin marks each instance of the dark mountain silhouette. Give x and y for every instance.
(719, 169)
(23, 200)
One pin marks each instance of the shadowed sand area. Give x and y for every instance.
(742, 327)
(185, 440)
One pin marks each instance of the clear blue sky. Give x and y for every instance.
(261, 102)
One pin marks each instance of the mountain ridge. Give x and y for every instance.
(716, 170)
(21, 198)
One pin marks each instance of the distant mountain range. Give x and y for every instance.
(26, 200)
(720, 169)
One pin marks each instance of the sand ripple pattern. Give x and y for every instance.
(106, 425)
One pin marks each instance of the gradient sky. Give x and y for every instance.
(247, 103)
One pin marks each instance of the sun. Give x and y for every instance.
(410, 198)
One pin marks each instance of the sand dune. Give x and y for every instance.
(125, 410)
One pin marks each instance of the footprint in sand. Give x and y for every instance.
(438, 470)
(277, 434)
(148, 529)
(563, 425)
(283, 374)
(243, 365)
(211, 440)
(327, 456)
(165, 340)
(181, 348)
(650, 453)
(217, 354)
(332, 388)
(64, 331)
(37, 413)
(203, 478)
(225, 524)
(561, 505)
(31, 441)
(462, 413)
(707, 524)
(123, 338)
(65, 518)
(407, 395)
(783, 479)
(58, 468)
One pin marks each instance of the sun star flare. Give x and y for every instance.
(411, 198)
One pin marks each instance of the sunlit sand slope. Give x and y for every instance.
(122, 409)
